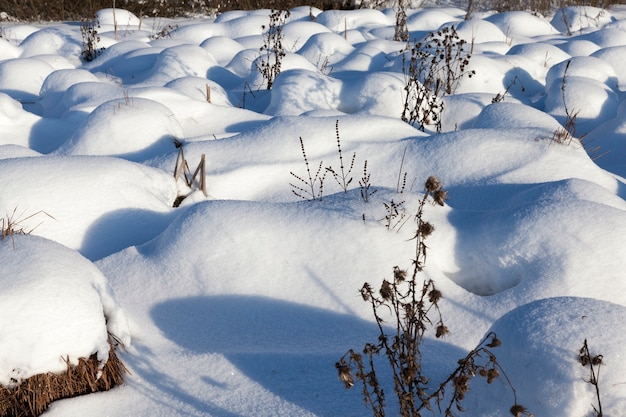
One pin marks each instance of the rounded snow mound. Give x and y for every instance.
(133, 128)
(117, 17)
(55, 306)
(573, 19)
(13, 118)
(96, 205)
(541, 344)
(522, 24)
(22, 78)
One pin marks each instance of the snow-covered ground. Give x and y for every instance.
(240, 303)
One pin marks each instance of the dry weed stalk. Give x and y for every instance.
(13, 224)
(311, 188)
(594, 362)
(343, 176)
(32, 396)
(395, 214)
(414, 310)
(91, 38)
(365, 185)
(273, 47)
(435, 68)
(182, 167)
(401, 31)
(567, 132)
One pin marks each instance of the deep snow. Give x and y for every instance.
(239, 303)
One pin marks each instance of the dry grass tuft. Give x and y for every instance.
(31, 397)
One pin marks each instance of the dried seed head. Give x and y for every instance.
(495, 342)
(366, 291)
(492, 374)
(441, 331)
(518, 410)
(434, 296)
(399, 275)
(426, 229)
(461, 383)
(345, 375)
(440, 196)
(432, 184)
(386, 291)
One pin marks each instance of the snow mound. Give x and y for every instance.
(134, 128)
(13, 118)
(521, 24)
(570, 20)
(66, 303)
(540, 349)
(13, 82)
(121, 202)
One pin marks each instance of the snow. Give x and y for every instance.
(52, 287)
(238, 303)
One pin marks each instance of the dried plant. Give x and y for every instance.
(395, 214)
(14, 224)
(89, 31)
(594, 362)
(500, 96)
(182, 167)
(342, 177)
(311, 188)
(414, 310)
(32, 396)
(565, 134)
(365, 185)
(164, 32)
(401, 31)
(435, 67)
(273, 48)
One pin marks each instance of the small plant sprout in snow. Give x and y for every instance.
(412, 309)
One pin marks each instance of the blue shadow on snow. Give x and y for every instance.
(290, 349)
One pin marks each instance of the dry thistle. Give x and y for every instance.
(399, 275)
(432, 184)
(426, 229)
(366, 292)
(434, 296)
(440, 196)
(386, 290)
(441, 331)
(414, 310)
(495, 342)
(345, 374)
(519, 410)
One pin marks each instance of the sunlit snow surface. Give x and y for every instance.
(239, 303)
